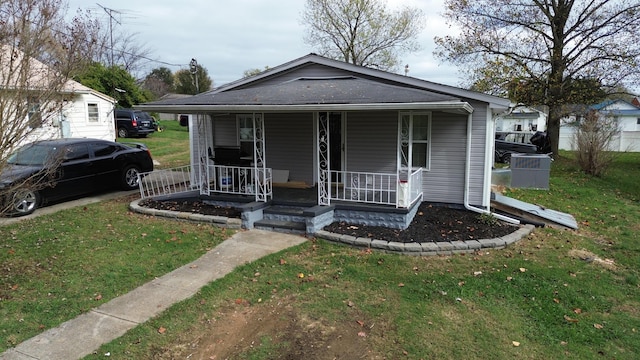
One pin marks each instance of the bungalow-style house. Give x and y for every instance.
(82, 111)
(368, 144)
(626, 115)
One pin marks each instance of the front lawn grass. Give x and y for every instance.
(555, 294)
(56, 267)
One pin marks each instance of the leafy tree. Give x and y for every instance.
(253, 72)
(185, 81)
(159, 82)
(362, 32)
(554, 46)
(114, 81)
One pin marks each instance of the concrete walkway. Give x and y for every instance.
(81, 336)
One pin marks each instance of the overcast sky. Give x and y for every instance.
(228, 37)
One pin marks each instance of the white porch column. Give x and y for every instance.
(262, 176)
(324, 176)
(201, 153)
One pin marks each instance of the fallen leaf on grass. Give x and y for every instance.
(523, 269)
(571, 320)
(283, 261)
(556, 301)
(362, 334)
(577, 311)
(515, 343)
(98, 297)
(162, 330)
(598, 326)
(401, 285)
(360, 322)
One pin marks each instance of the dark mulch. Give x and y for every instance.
(191, 205)
(431, 223)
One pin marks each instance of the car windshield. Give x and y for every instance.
(35, 154)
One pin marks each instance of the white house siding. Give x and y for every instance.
(72, 121)
(290, 144)
(78, 119)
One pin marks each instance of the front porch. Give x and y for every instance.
(367, 198)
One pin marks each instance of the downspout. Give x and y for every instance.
(467, 181)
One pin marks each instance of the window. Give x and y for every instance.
(93, 114)
(415, 140)
(100, 149)
(245, 127)
(638, 121)
(34, 116)
(76, 152)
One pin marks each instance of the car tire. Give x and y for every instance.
(506, 158)
(24, 202)
(123, 132)
(129, 177)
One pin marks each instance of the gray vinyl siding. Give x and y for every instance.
(289, 144)
(225, 131)
(478, 140)
(445, 180)
(371, 142)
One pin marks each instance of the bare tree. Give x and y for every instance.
(362, 32)
(593, 137)
(554, 46)
(39, 52)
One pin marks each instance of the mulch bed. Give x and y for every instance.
(195, 206)
(431, 223)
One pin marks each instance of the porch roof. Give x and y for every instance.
(309, 94)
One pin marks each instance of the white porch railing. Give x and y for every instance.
(222, 179)
(166, 182)
(376, 188)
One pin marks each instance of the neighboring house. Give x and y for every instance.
(84, 112)
(521, 118)
(355, 135)
(625, 114)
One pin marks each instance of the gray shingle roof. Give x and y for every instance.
(342, 90)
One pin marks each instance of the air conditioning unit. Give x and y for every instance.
(530, 171)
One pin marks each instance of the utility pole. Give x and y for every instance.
(193, 65)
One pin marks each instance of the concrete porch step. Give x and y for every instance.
(284, 210)
(292, 227)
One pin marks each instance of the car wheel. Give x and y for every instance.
(25, 202)
(130, 177)
(506, 158)
(123, 132)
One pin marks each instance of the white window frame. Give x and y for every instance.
(410, 140)
(97, 113)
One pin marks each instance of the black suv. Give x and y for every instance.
(132, 123)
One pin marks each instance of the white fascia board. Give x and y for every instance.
(462, 107)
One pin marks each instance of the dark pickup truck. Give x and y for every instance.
(507, 143)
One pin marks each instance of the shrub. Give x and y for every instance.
(592, 139)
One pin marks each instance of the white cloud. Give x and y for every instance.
(229, 37)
